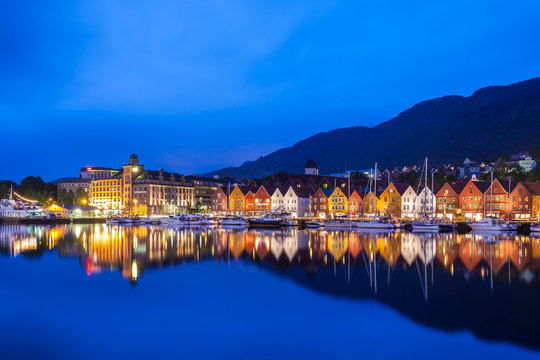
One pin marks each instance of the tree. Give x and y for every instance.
(411, 178)
(5, 186)
(82, 196)
(358, 175)
(35, 188)
(66, 197)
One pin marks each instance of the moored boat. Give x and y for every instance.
(268, 220)
(234, 221)
(489, 224)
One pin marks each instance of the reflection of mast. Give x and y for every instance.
(348, 265)
(375, 266)
(491, 263)
(432, 258)
(228, 249)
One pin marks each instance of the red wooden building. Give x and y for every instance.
(320, 201)
(447, 199)
(472, 199)
(263, 201)
(496, 198)
(219, 200)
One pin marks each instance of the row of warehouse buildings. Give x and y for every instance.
(312, 195)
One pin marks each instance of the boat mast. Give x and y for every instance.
(490, 195)
(375, 192)
(348, 198)
(432, 196)
(508, 205)
(425, 188)
(229, 198)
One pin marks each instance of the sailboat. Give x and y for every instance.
(376, 223)
(426, 225)
(489, 223)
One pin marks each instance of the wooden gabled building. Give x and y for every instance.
(390, 199)
(496, 201)
(447, 199)
(472, 199)
(320, 201)
(219, 200)
(521, 200)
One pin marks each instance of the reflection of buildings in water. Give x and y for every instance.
(276, 247)
(446, 250)
(496, 255)
(417, 245)
(290, 246)
(132, 249)
(354, 244)
(471, 253)
(338, 242)
(318, 243)
(519, 253)
(16, 239)
(388, 246)
(262, 245)
(237, 244)
(409, 247)
(219, 243)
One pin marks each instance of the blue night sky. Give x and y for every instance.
(191, 86)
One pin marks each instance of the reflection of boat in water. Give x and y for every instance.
(374, 230)
(376, 224)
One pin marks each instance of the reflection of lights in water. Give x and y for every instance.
(134, 270)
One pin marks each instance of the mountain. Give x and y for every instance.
(494, 120)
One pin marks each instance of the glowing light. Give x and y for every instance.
(23, 198)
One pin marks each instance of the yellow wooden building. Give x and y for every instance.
(338, 203)
(237, 201)
(390, 200)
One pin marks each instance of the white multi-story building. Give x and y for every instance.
(297, 201)
(277, 198)
(408, 203)
(427, 197)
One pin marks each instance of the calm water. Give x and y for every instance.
(146, 292)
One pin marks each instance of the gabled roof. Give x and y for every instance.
(533, 188)
(302, 191)
(326, 191)
(459, 185)
(401, 187)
